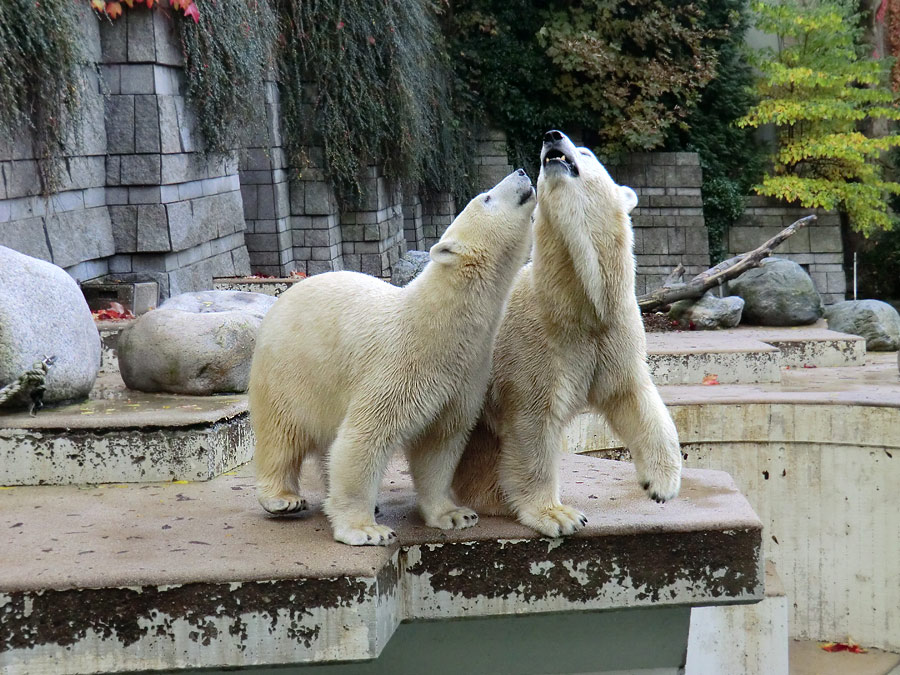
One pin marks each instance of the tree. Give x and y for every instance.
(818, 89)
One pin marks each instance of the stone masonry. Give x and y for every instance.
(818, 248)
(668, 221)
(176, 213)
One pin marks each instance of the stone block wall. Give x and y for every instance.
(265, 191)
(70, 227)
(176, 212)
(413, 229)
(140, 201)
(438, 211)
(818, 248)
(492, 163)
(373, 233)
(668, 221)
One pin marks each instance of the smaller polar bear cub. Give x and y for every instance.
(353, 368)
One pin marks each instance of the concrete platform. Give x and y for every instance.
(125, 436)
(161, 576)
(749, 355)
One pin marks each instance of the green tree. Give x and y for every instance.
(818, 89)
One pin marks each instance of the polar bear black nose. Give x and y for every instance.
(520, 172)
(553, 136)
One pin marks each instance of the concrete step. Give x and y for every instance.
(161, 576)
(125, 436)
(689, 357)
(808, 658)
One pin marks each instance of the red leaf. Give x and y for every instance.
(192, 12)
(150, 4)
(711, 379)
(843, 647)
(114, 9)
(340, 24)
(807, 366)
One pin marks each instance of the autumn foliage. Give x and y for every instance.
(113, 9)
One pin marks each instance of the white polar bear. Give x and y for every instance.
(352, 367)
(571, 340)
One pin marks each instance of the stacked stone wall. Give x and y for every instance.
(668, 221)
(818, 248)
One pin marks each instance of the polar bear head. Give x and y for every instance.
(492, 234)
(582, 209)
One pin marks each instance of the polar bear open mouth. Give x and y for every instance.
(557, 158)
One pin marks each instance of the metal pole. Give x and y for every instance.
(854, 275)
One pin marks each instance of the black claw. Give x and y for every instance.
(368, 537)
(646, 485)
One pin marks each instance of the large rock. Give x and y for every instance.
(778, 293)
(43, 313)
(409, 267)
(195, 343)
(874, 320)
(709, 312)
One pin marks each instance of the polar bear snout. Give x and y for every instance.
(516, 189)
(558, 155)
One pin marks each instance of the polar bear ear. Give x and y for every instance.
(446, 252)
(628, 197)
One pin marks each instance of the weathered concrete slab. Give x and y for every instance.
(125, 436)
(167, 575)
(808, 346)
(268, 286)
(688, 357)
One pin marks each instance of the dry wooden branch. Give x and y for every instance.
(714, 276)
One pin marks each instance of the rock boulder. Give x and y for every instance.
(777, 293)
(409, 267)
(195, 343)
(876, 321)
(43, 313)
(709, 312)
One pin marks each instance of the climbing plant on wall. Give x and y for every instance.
(369, 81)
(40, 78)
(817, 89)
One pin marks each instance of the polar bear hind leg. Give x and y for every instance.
(530, 477)
(280, 449)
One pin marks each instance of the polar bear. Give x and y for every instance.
(352, 368)
(571, 340)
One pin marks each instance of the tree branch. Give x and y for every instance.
(714, 276)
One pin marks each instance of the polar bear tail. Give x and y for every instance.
(477, 479)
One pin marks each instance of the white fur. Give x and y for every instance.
(571, 340)
(350, 366)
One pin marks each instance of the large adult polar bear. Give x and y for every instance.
(571, 340)
(351, 367)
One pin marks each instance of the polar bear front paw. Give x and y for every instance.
(554, 521)
(283, 505)
(367, 535)
(456, 518)
(661, 481)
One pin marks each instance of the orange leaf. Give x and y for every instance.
(191, 11)
(178, 4)
(114, 9)
(99, 5)
(843, 647)
(711, 379)
(130, 3)
(149, 4)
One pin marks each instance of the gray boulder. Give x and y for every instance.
(874, 320)
(709, 312)
(409, 267)
(195, 343)
(778, 293)
(43, 313)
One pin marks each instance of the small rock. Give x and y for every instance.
(195, 343)
(876, 321)
(709, 312)
(409, 267)
(43, 313)
(778, 293)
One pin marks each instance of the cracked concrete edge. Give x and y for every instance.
(339, 619)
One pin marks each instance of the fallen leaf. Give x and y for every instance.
(711, 379)
(808, 366)
(843, 647)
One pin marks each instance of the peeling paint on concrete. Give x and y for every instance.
(71, 456)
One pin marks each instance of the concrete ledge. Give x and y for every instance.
(198, 576)
(274, 286)
(686, 358)
(130, 436)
